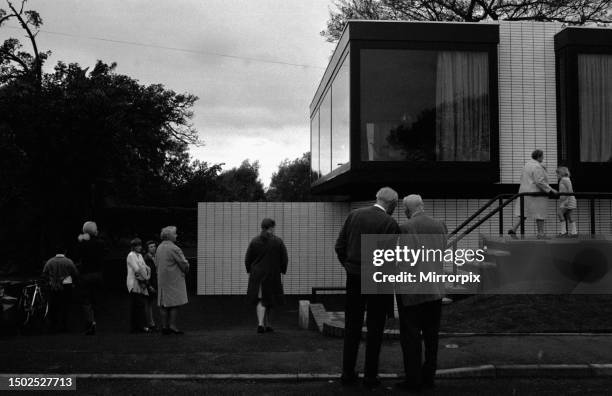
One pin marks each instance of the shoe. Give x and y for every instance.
(348, 379)
(562, 235)
(176, 331)
(91, 329)
(407, 386)
(261, 329)
(371, 382)
(541, 236)
(165, 331)
(573, 235)
(512, 234)
(269, 329)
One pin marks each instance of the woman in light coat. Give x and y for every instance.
(138, 273)
(534, 179)
(172, 266)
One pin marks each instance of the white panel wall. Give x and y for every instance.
(527, 96)
(309, 229)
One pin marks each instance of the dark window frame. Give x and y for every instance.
(486, 171)
(569, 43)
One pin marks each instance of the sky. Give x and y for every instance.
(253, 64)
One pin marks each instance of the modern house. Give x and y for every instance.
(450, 111)
(453, 110)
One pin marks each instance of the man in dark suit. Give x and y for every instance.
(420, 304)
(375, 219)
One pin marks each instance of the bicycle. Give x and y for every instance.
(34, 306)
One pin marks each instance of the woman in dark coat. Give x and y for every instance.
(266, 259)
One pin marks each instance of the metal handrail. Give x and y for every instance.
(589, 195)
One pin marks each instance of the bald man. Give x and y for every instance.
(374, 219)
(420, 313)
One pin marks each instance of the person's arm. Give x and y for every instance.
(132, 262)
(341, 242)
(249, 257)
(539, 177)
(180, 259)
(284, 257)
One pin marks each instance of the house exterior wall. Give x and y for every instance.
(309, 230)
(527, 96)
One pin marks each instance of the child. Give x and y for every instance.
(567, 203)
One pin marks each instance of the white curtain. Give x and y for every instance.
(462, 106)
(595, 107)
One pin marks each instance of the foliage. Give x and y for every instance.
(291, 183)
(241, 183)
(572, 12)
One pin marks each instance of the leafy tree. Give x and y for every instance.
(241, 183)
(291, 183)
(77, 139)
(572, 12)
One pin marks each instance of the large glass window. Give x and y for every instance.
(325, 135)
(425, 105)
(595, 107)
(314, 146)
(340, 116)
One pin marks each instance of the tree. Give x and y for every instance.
(13, 60)
(291, 183)
(77, 139)
(241, 183)
(572, 12)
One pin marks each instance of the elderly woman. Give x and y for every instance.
(265, 261)
(172, 266)
(533, 179)
(90, 253)
(138, 273)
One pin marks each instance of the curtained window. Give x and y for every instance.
(425, 105)
(595, 107)
(462, 106)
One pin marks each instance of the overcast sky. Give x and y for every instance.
(247, 108)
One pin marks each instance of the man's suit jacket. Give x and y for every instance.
(422, 231)
(369, 220)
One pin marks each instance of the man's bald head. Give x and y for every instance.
(413, 204)
(387, 198)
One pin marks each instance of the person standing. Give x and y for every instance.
(266, 259)
(138, 274)
(375, 219)
(91, 252)
(534, 179)
(151, 300)
(567, 204)
(420, 307)
(60, 273)
(172, 267)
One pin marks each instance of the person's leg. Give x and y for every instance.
(410, 341)
(54, 315)
(163, 316)
(573, 230)
(353, 318)
(376, 317)
(431, 313)
(134, 306)
(66, 296)
(268, 319)
(562, 221)
(261, 314)
(173, 315)
(150, 321)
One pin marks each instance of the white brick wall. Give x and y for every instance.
(309, 229)
(527, 96)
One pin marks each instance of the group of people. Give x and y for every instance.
(534, 179)
(155, 274)
(419, 314)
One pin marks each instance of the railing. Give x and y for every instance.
(591, 196)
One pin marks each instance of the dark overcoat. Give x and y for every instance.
(266, 259)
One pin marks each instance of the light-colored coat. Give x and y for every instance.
(534, 179)
(171, 269)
